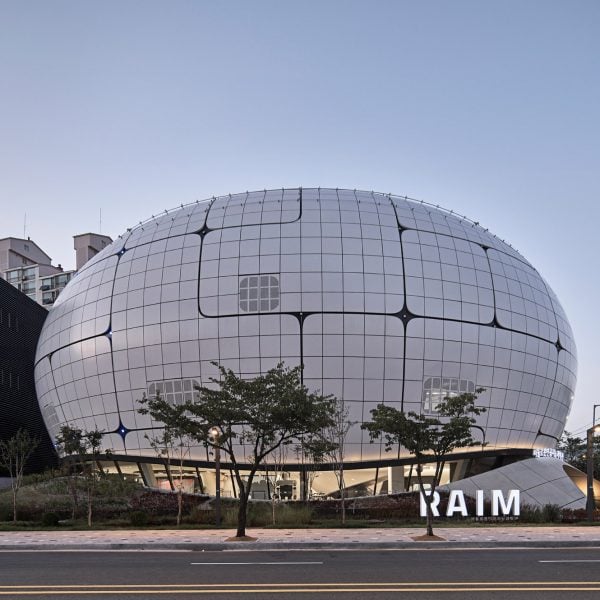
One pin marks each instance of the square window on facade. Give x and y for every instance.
(259, 293)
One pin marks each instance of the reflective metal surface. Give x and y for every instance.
(382, 298)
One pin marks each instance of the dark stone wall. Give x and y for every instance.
(21, 321)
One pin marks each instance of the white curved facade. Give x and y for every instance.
(383, 299)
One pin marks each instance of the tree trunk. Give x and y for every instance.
(179, 504)
(429, 518)
(72, 484)
(343, 495)
(428, 501)
(245, 490)
(242, 513)
(91, 490)
(14, 505)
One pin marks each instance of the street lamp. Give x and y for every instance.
(590, 503)
(215, 434)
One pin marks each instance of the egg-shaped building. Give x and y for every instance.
(381, 298)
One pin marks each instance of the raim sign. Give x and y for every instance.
(501, 504)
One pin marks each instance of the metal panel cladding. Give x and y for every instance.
(381, 298)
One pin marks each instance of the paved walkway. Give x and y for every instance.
(302, 539)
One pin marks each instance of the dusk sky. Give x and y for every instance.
(489, 109)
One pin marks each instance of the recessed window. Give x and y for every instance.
(259, 293)
(52, 420)
(435, 389)
(174, 391)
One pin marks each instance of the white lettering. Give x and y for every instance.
(480, 505)
(434, 504)
(501, 505)
(549, 453)
(513, 501)
(456, 503)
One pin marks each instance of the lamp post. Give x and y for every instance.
(590, 503)
(215, 433)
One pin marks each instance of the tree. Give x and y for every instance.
(575, 451)
(259, 415)
(172, 442)
(309, 453)
(84, 448)
(279, 459)
(428, 439)
(329, 446)
(14, 454)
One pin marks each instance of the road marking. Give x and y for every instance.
(274, 562)
(302, 590)
(110, 586)
(571, 561)
(337, 586)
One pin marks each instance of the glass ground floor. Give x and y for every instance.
(302, 481)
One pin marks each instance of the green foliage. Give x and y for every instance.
(138, 518)
(54, 495)
(294, 514)
(262, 414)
(14, 454)
(552, 513)
(50, 519)
(329, 446)
(157, 502)
(44, 476)
(576, 515)
(429, 439)
(16, 450)
(201, 516)
(172, 441)
(113, 485)
(172, 436)
(421, 434)
(575, 450)
(548, 513)
(83, 447)
(75, 442)
(291, 515)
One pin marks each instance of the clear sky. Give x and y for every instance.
(491, 109)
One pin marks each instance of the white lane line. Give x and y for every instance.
(275, 562)
(571, 561)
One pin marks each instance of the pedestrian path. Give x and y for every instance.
(269, 539)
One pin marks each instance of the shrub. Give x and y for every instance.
(156, 502)
(574, 515)
(531, 514)
(5, 514)
(552, 513)
(201, 516)
(138, 518)
(50, 519)
(293, 514)
(113, 485)
(259, 514)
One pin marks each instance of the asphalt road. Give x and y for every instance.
(452, 574)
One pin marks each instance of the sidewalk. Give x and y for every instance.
(302, 539)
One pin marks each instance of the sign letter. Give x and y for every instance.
(480, 503)
(434, 504)
(498, 501)
(456, 503)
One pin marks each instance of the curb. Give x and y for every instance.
(266, 546)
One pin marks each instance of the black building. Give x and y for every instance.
(21, 321)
